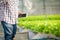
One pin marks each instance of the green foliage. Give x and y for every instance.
(40, 24)
(40, 17)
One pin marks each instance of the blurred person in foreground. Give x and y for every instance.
(8, 17)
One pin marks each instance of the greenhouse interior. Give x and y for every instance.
(38, 20)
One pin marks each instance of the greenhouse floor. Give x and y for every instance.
(19, 36)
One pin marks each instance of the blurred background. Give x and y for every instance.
(40, 16)
(39, 7)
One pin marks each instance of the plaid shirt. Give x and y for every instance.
(9, 11)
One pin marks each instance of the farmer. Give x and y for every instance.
(8, 17)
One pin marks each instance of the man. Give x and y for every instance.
(8, 17)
